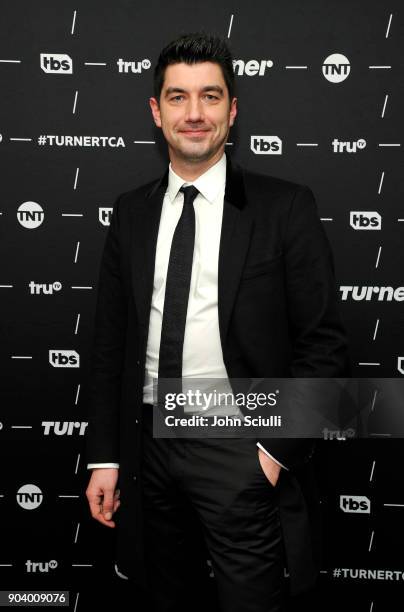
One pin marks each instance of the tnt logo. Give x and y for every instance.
(64, 359)
(339, 146)
(365, 220)
(56, 63)
(39, 566)
(30, 215)
(266, 145)
(104, 215)
(64, 428)
(29, 497)
(252, 67)
(336, 68)
(44, 288)
(358, 504)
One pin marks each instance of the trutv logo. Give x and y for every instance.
(365, 220)
(56, 63)
(64, 359)
(358, 504)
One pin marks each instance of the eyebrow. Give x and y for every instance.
(216, 88)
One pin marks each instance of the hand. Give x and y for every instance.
(101, 495)
(270, 468)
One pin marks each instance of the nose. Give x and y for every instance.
(194, 111)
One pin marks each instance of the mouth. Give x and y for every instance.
(194, 132)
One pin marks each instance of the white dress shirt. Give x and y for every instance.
(202, 350)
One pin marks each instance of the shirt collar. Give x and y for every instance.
(209, 184)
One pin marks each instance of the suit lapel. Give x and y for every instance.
(234, 242)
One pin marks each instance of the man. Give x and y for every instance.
(215, 272)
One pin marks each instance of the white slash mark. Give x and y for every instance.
(10, 61)
(389, 24)
(81, 287)
(144, 141)
(371, 541)
(307, 144)
(82, 564)
(72, 215)
(379, 67)
(21, 426)
(374, 400)
(378, 256)
(77, 533)
(69, 496)
(371, 471)
(21, 356)
(95, 63)
(77, 252)
(394, 505)
(371, 607)
(229, 144)
(326, 219)
(389, 144)
(397, 220)
(77, 464)
(75, 603)
(384, 105)
(6, 565)
(75, 102)
(381, 183)
(231, 23)
(6, 286)
(376, 328)
(295, 67)
(368, 363)
(77, 395)
(77, 324)
(74, 22)
(382, 435)
(76, 177)
(21, 139)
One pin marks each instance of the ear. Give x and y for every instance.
(233, 111)
(155, 109)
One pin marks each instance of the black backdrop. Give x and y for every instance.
(50, 250)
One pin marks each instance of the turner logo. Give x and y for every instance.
(368, 293)
(336, 68)
(64, 359)
(39, 566)
(400, 364)
(30, 215)
(64, 428)
(44, 288)
(104, 215)
(129, 66)
(266, 145)
(252, 67)
(56, 63)
(365, 220)
(29, 496)
(354, 503)
(340, 146)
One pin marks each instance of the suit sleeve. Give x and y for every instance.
(319, 344)
(107, 356)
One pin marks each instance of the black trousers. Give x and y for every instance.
(215, 490)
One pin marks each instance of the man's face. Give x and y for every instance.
(195, 112)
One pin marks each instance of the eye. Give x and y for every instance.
(211, 97)
(176, 98)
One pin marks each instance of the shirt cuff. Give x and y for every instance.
(102, 465)
(269, 455)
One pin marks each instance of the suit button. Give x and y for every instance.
(136, 421)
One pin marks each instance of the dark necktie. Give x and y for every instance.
(176, 296)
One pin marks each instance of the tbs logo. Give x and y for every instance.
(266, 145)
(358, 504)
(365, 220)
(64, 359)
(56, 63)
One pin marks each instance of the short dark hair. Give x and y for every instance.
(191, 49)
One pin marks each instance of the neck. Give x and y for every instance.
(190, 171)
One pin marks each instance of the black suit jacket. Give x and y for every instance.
(278, 317)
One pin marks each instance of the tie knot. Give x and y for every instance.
(190, 193)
